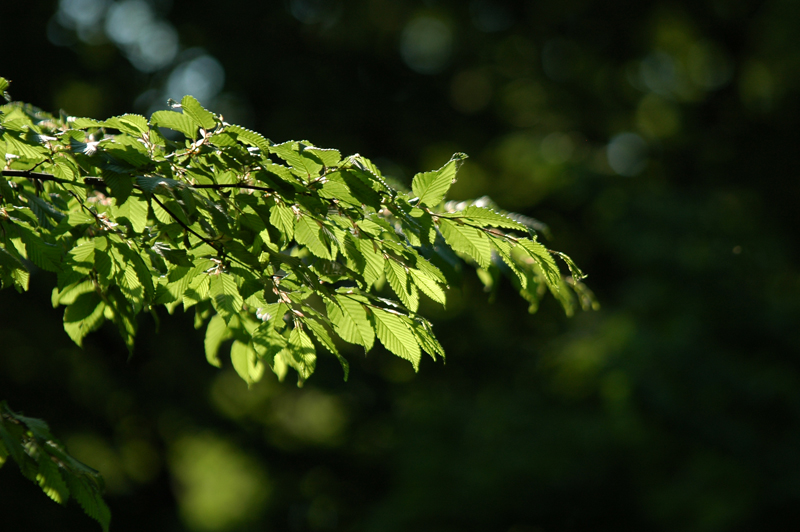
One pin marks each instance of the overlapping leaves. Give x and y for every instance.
(280, 248)
(44, 460)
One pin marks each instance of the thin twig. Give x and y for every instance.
(36, 175)
(186, 227)
(235, 185)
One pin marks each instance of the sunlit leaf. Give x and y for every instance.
(350, 321)
(431, 187)
(396, 337)
(216, 333)
(468, 240)
(198, 113)
(175, 121)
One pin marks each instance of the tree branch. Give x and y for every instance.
(36, 175)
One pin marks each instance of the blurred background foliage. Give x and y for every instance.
(654, 137)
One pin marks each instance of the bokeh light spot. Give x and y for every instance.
(426, 44)
(709, 65)
(557, 148)
(627, 154)
(149, 44)
(202, 77)
(81, 13)
(311, 416)
(127, 20)
(659, 73)
(219, 486)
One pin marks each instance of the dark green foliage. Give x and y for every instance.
(44, 460)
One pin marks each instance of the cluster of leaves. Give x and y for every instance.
(44, 460)
(280, 248)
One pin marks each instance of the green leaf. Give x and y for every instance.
(268, 342)
(178, 257)
(467, 240)
(429, 285)
(306, 163)
(124, 315)
(83, 123)
(45, 255)
(577, 273)
(424, 336)
(300, 354)
(246, 362)
(250, 137)
(373, 266)
(309, 233)
(175, 121)
(350, 321)
(131, 284)
(29, 150)
(88, 494)
(488, 218)
(328, 157)
(141, 273)
(401, 283)
(135, 211)
(83, 316)
(10, 263)
(11, 435)
(70, 293)
(51, 481)
(80, 218)
(83, 252)
(544, 260)
(282, 218)
(44, 210)
(135, 125)
(431, 187)
(198, 113)
(225, 295)
(395, 336)
(217, 332)
(336, 188)
(370, 172)
(150, 184)
(325, 339)
(503, 249)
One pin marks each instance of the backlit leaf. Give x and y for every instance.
(246, 362)
(300, 354)
(175, 121)
(402, 285)
(216, 333)
(350, 321)
(225, 295)
(544, 260)
(431, 187)
(308, 232)
(198, 113)
(395, 336)
(468, 240)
